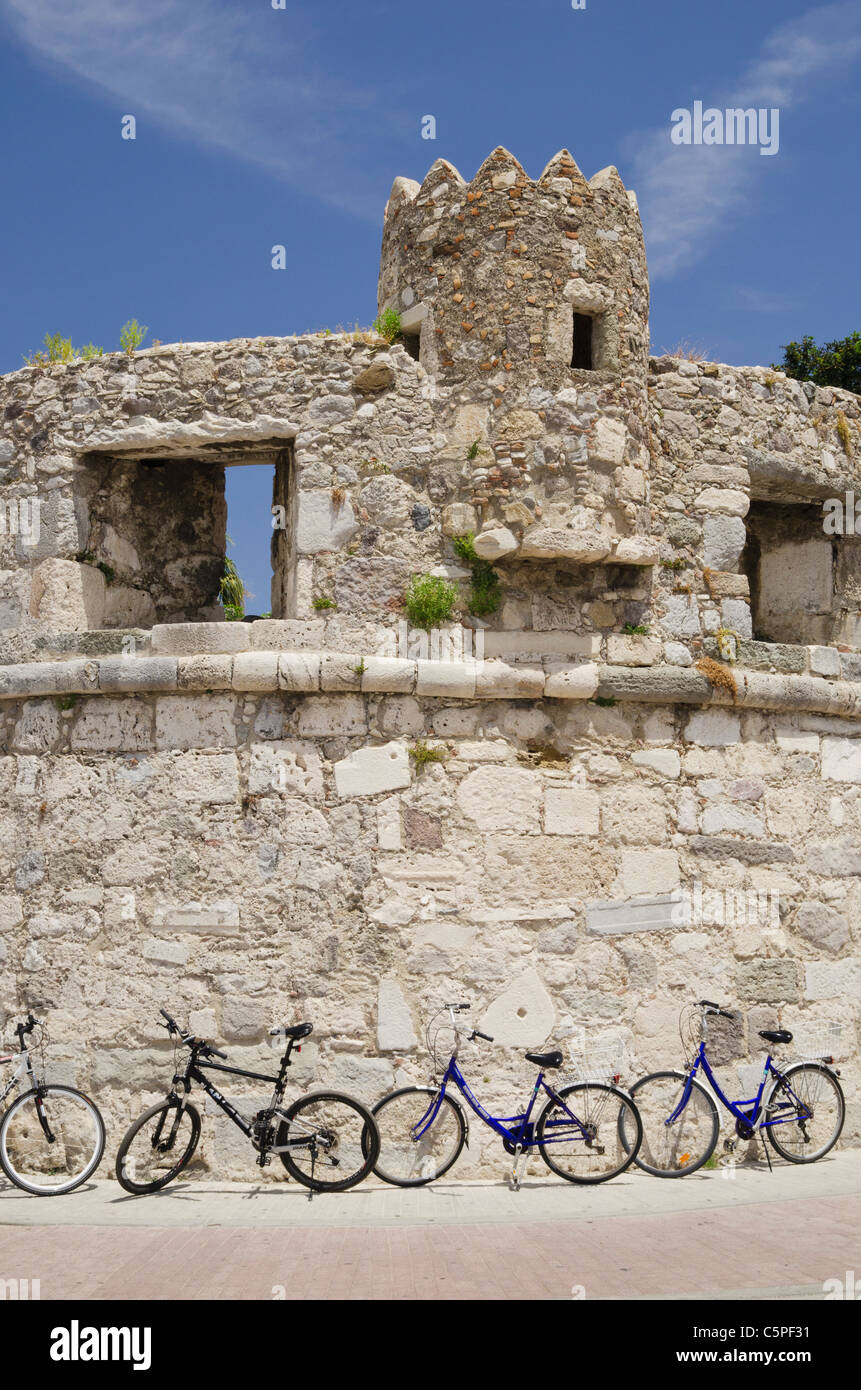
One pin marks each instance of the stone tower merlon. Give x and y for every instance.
(527, 305)
(506, 273)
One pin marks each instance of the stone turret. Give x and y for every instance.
(529, 301)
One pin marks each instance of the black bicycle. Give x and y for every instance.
(326, 1140)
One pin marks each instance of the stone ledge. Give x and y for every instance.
(311, 672)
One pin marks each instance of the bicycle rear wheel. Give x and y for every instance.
(157, 1147)
(407, 1161)
(51, 1140)
(807, 1108)
(579, 1134)
(335, 1141)
(671, 1151)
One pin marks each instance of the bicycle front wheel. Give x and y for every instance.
(672, 1150)
(805, 1112)
(579, 1132)
(412, 1150)
(157, 1147)
(51, 1140)
(334, 1141)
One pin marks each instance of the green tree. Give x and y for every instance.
(837, 363)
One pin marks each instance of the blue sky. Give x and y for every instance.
(258, 126)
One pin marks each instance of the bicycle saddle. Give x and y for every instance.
(776, 1035)
(298, 1030)
(545, 1059)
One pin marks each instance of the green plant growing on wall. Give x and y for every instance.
(231, 591)
(388, 325)
(108, 571)
(485, 594)
(323, 601)
(636, 629)
(429, 600)
(422, 754)
(132, 335)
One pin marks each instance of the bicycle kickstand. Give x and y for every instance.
(767, 1154)
(517, 1167)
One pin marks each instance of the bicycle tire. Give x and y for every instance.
(649, 1145)
(822, 1071)
(126, 1179)
(385, 1163)
(587, 1115)
(365, 1142)
(34, 1097)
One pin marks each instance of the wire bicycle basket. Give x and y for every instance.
(595, 1058)
(819, 1042)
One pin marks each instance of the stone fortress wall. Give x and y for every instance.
(226, 818)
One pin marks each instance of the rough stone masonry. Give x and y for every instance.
(229, 819)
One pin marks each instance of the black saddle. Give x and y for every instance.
(298, 1030)
(545, 1060)
(776, 1035)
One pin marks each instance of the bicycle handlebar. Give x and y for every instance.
(476, 1034)
(715, 1008)
(196, 1044)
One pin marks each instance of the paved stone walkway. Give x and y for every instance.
(753, 1235)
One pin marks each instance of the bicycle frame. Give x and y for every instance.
(753, 1116)
(522, 1136)
(195, 1071)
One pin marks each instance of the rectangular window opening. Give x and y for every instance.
(581, 355)
(161, 529)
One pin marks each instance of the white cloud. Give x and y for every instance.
(688, 193)
(236, 77)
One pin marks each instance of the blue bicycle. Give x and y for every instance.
(800, 1107)
(578, 1132)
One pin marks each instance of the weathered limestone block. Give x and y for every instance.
(571, 811)
(68, 596)
(368, 771)
(255, 671)
(200, 777)
(839, 979)
(447, 679)
(395, 1031)
(290, 766)
(573, 682)
(140, 674)
(649, 872)
(497, 680)
(183, 722)
(299, 670)
(822, 925)
(562, 543)
(103, 724)
(623, 650)
(501, 798)
(713, 728)
(215, 918)
(495, 543)
(665, 761)
(841, 759)
(768, 981)
(384, 674)
(522, 1015)
(199, 639)
(322, 523)
(619, 918)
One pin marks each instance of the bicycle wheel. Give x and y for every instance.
(157, 1147)
(51, 1140)
(405, 1160)
(579, 1134)
(335, 1138)
(809, 1109)
(671, 1151)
